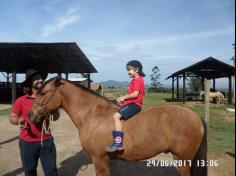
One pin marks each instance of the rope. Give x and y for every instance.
(44, 127)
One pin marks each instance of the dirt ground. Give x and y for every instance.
(72, 161)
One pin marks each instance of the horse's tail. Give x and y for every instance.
(201, 155)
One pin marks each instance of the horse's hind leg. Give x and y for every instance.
(101, 165)
(184, 166)
(184, 170)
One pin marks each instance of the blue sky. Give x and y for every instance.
(171, 34)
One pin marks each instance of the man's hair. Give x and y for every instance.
(28, 90)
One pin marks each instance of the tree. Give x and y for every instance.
(155, 78)
(195, 84)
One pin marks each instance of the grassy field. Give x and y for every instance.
(221, 133)
(5, 112)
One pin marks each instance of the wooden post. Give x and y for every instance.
(13, 90)
(233, 97)
(184, 86)
(173, 88)
(207, 100)
(8, 83)
(214, 84)
(202, 80)
(67, 75)
(230, 90)
(215, 100)
(177, 93)
(89, 81)
(102, 91)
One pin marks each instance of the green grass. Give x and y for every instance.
(221, 132)
(5, 112)
(155, 99)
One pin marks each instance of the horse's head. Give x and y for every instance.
(47, 102)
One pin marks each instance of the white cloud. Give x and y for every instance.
(142, 46)
(60, 23)
(160, 41)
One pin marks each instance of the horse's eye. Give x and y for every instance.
(42, 93)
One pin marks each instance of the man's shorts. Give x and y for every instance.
(129, 110)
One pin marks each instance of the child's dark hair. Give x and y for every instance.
(136, 64)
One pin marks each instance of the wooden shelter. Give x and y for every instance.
(209, 68)
(46, 57)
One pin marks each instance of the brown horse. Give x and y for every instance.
(166, 129)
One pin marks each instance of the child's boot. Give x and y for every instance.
(117, 143)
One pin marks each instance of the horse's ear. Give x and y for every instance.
(58, 81)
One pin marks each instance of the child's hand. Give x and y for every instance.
(23, 124)
(120, 100)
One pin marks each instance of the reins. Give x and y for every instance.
(44, 127)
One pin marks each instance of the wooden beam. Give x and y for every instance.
(89, 81)
(233, 97)
(4, 75)
(177, 93)
(203, 85)
(214, 84)
(230, 90)
(184, 86)
(207, 100)
(173, 88)
(67, 75)
(13, 91)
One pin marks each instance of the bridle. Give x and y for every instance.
(49, 116)
(44, 105)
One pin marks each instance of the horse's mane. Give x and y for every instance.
(45, 83)
(81, 87)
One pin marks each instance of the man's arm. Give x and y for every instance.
(16, 120)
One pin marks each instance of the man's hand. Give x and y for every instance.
(23, 124)
(14, 118)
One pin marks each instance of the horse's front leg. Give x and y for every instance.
(101, 165)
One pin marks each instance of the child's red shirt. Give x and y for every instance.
(137, 84)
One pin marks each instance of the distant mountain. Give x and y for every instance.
(118, 84)
(124, 84)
